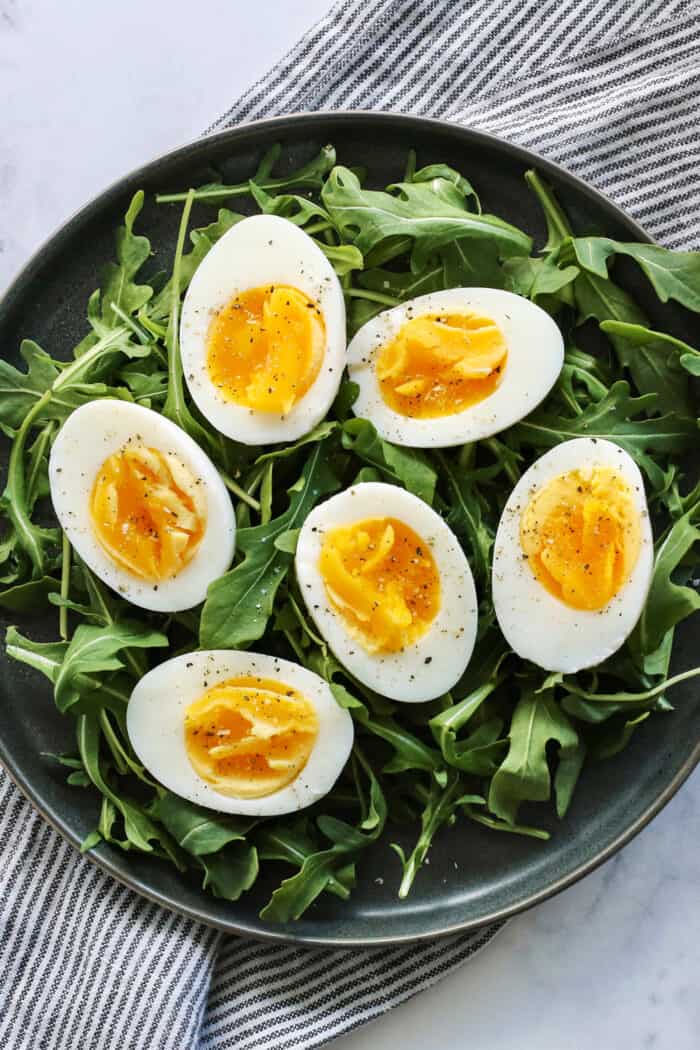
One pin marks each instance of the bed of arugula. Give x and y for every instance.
(509, 733)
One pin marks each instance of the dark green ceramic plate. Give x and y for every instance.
(475, 876)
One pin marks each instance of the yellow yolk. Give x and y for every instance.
(249, 737)
(438, 365)
(265, 348)
(581, 535)
(382, 578)
(148, 512)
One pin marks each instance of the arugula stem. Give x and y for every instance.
(157, 330)
(82, 364)
(175, 400)
(65, 586)
(499, 825)
(256, 482)
(374, 297)
(465, 459)
(494, 447)
(296, 647)
(219, 194)
(632, 698)
(318, 227)
(570, 401)
(453, 718)
(114, 745)
(438, 810)
(17, 486)
(139, 332)
(237, 490)
(557, 221)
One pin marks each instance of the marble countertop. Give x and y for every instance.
(89, 92)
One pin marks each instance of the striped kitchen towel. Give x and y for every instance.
(607, 87)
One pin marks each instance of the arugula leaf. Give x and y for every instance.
(295, 894)
(365, 218)
(19, 391)
(409, 751)
(239, 604)
(657, 363)
(408, 467)
(344, 258)
(596, 296)
(481, 752)
(310, 176)
(118, 289)
(46, 657)
(175, 407)
(524, 773)
(537, 279)
(613, 418)
(465, 518)
(319, 433)
(31, 596)
(94, 649)
(673, 275)
(17, 502)
(196, 830)
(472, 263)
(293, 844)
(571, 759)
(231, 871)
(396, 286)
(668, 602)
(437, 174)
(439, 809)
(139, 828)
(617, 737)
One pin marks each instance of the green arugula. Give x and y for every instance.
(408, 467)
(673, 275)
(240, 603)
(509, 736)
(431, 216)
(524, 776)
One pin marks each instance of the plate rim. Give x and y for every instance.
(279, 123)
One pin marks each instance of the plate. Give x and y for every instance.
(475, 876)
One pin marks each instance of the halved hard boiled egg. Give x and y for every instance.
(239, 732)
(573, 556)
(454, 366)
(390, 589)
(143, 505)
(262, 334)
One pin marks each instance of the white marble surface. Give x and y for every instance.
(88, 91)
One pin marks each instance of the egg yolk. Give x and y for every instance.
(249, 737)
(148, 512)
(381, 577)
(265, 348)
(438, 365)
(581, 535)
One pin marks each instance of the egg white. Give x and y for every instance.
(156, 717)
(262, 250)
(436, 661)
(535, 358)
(537, 625)
(89, 436)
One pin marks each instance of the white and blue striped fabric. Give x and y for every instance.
(607, 87)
